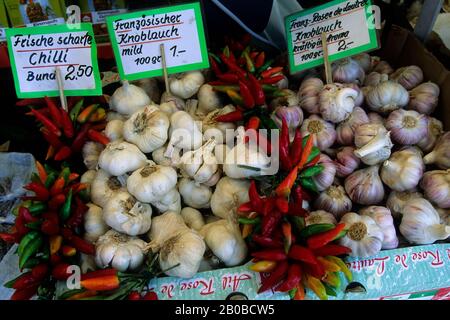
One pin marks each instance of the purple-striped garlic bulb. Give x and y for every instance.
(407, 127)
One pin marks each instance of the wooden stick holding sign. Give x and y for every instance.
(164, 66)
(326, 59)
(60, 82)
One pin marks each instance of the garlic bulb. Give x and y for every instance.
(407, 126)
(171, 101)
(364, 237)
(324, 132)
(424, 98)
(218, 130)
(224, 239)
(184, 133)
(184, 249)
(193, 218)
(387, 96)
(159, 157)
(383, 217)
(150, 86)
(434, 130)
(364, 186)
(169, 108)
(436, 186)
(151, 182)
(104, 186)
(187, 84)
(293, 116)
(421, 223)
(120, 157)
(320, 216)
(383, 67)
(347, 70)
(91, 152)
(336, 102)
(125, 214)
(334, 200)
(228, 196)
(171, 201)
(220, 151)
(373, 79)
(364, 60)
(164, 227)
(325, 179)
(345, 131)
(194, 195)
(200, 164)
(308, 94)
(440, 156)
(208, 99)
(114, 130)
(409, 77)
(147, 129)
(111, 115)
(289, 99)
(375, 118)
(359, 100)
(87, 179)
(128, 99)
(403, 170)
(94, 225)
(397, 200)
(346, 162)
(120, 251)
(373, 143)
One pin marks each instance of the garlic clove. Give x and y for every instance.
(434, 130)
(373, 142)
(308, 94)
(397, 200)
(440, 156)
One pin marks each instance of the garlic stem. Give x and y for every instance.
(440, 231)
(376, 143)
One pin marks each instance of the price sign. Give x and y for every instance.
(349, 27)
(36, 52)
(136, 39)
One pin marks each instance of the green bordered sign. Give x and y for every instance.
(350, 29)
(36, 52)
(136, 39)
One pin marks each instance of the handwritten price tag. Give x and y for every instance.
(36, 52)
(348, 24)
(136, 37)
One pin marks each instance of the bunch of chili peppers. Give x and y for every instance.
(67, 131)
(47, 229)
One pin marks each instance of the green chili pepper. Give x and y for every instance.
(65, 173)
(226, 51)
(35, 177)
(51, 177)
(249, 63)
(34, 225)
(314, 153)
(315, 229)
(70, 293)
(298, 223)
(268, 88)
(49, 169)
(73, 114)
(276, 94)
(225, 88)
(292, 293)
(31, 263)
(235, 97)
(312, 171)
(31, 249)
(65, 209)
(214, 56)
(329, 290)
(341, 234)
(30, 236)
(37, 208)
(84, 195)
(45, 252)
(265, 66)
(309, 184)
(249, 221)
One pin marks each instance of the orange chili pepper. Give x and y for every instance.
(73, 176)
(248, 228)
(300, 293)
(306, 151)
(263, 266)
(41, 171)
(101, 283)
(58, 186)
(81, 295)
(55, 243)
(284, 188)
(50, 152)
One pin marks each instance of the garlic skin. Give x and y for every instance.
(151, 182)
(208, 99)
(397, 200)
(436, 186)
(440, 156)
(406, 126)
(346, 162)
(324, 132)
(194, 195)
(228, 196)
(359, 100)
(94, 225)
(128, 99)
(193, 218)
(375, 118)
(421, 223)
(163, 227)
(114, 130)
(364, 236)
(373, 142)
(120, 157)
(434, 130)
(186, 249)
(333, 200)
(120, 251)
(87, 179)
(320, 216)
(175, 101)
(336, 102)
(383, 217)
(347, 70)
(409, 77)
(289, 99)
(112, 115)
(184, 133)
(224, 239)
(201, 164)
(171, 201)
(150, 86)
(383, 67)
(159, 157)
(147, 129)
(125, 214)
(308, 94)
(293, 116)
(187, 84)
(325, 179)
(345, 131)
(218, 130)
(387, 96)
(424, 98)
(91, 152)
(104, 186)
(364, 60)
(364, 186)
(373, 79)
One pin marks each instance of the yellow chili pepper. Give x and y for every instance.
(68, 251)
(248, 228)
(332, 279)
(263, 266)
(87, 113)
(55, 243)
(329, 266)
(342, 265)
(316, 286)
(98, 115)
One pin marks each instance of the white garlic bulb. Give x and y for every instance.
(172, 161)
(193, 218)
(208, 99)
(164, 227)
(336, 102)
(346, 130)
(373, 142)
(128, 99)
(114, 130)
(387, 96)
(406, 126)
(289, 99)
(120, 157)
(364, 237)
(324, 132)
(91, 152)
(228, 196)
(347, 70)
(308, 94)
(333, 200)
(346, 162)
(319, 217)
(185, 85)
(436, 186)
(409, 77)
(87, 179)
(383, 218)
(376, 118)
(440, 156)
(424, 98)
(150, 86)
(194, 195)
(364, 60)
(397, 200)
(94, 225)
(434, 130)
(201, 164)
(104, 186)
(171, 201)
(185, 133)
(325, 178)
(383, 67)
(364, 186)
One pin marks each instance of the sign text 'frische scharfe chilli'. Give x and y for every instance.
(36, 52)
(348, 25)
(136, 39)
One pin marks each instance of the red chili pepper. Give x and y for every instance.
(58, 186)
(285, 159)
(134, 295)
(266, 242)
(214, 66)
(99, 273)
(67, 124)
(287, 233)
(55, 259)
(321, 239)
(273, 254)
(50, 225)
(30, 102)
(255, 199)
(151, 295)
(284, 188)
(295, 206)
(54, 111)
(76, 219)
(251, 128)
(269, 72)
(246, 94)
(268, 205)
(233, 116)
(303, 254)
(271, 80)
(264, 143)
(98, 137)
(231, 65)
(270, 222)
(63, 153)
(257, 90)
(80, 139)
(260, 58)
(282, 204)
(23, 281)
(218, 83)
(331, 250)
(275, 276)
(316, 270)
(40, 271)
(21, 229)
(99, 126)
(27, 215)
(73, 176)
(313, 162)
(294, 275)
(228, 77)
(295, 150)
(78, 243)
(26, 293)
(40, 191)
(9, 237)
(60, 272)
(306, 151)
